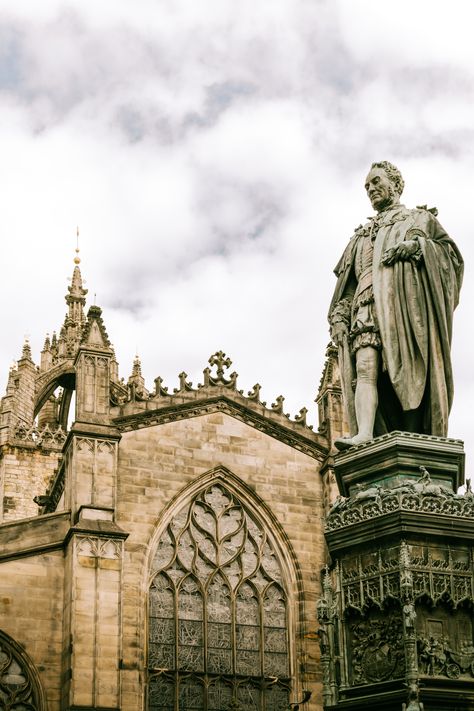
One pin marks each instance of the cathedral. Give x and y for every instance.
(163, 551)
(193, 548)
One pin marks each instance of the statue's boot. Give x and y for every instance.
(342, 443)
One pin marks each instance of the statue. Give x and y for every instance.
(409, 615)
(398, 284)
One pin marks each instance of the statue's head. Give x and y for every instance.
(384, 185)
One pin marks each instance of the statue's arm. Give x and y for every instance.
(409, 249)
(339, 320)
(339, 315)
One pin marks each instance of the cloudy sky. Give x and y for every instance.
(213, 154)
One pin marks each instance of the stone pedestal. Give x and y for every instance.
(396, 623)
(396, 457)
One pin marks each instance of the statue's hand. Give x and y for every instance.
(402, 251)
(339, 332)
(407, 249)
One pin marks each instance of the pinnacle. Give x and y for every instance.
(76, 297)
(76, 290)
(137, 366)
(26, 351)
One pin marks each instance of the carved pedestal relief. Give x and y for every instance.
(445, 642)
(400, 613)
(376, 648)
(217, 612)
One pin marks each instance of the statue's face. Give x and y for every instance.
(380, 189)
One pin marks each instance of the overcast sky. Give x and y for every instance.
(213, 154)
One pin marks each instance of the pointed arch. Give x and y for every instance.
(251, 500)
(20, 684)
(231, 638)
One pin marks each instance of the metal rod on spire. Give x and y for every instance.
(77, 259)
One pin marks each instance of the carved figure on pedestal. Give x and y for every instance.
(414, 703)
(409, 615)
(469, 494)
(425, 486)
(366, 493)
(391, 316)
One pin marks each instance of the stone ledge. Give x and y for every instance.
(397, 457)
(397, 525)
(32, 536)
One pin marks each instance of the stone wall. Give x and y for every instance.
(155, 466)
(31, 612)
(25, 472)
(74, 592)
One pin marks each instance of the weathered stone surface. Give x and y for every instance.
(391, 316)
(395, 458)
(121, 475)
(402, 577)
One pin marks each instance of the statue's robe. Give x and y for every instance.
(414, 304)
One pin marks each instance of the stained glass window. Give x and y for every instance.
(217, 612)
(19, 690)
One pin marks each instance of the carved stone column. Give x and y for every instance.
(409, 630)
(401, 541)
(327, 640)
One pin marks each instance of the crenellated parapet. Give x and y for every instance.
(133, 406)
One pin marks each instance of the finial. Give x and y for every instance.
(326, 579)
(26, 352)
(137, 366)
(221, 361)
(77, 259)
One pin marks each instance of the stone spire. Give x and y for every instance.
(137, 368)
(76, 298)
(72, 328)
(136, 381)
(46, 355)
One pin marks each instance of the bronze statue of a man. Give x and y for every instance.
(391, 315)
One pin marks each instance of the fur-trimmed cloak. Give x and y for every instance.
(414, 304)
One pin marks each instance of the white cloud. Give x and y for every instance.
(214, 154)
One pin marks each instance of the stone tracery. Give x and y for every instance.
(19, 689)
(217, 611)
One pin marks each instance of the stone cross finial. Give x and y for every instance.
(221, 361)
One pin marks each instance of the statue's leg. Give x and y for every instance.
(366, 397)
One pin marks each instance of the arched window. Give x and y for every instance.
(20, 689)
(218, 617)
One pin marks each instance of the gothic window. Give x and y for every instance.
(218, 616)
(19, 688)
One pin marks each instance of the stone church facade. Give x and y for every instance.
(165, 551)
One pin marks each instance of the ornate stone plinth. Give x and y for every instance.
(396, 457)
(396, 622)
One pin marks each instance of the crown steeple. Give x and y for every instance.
(76, 298)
